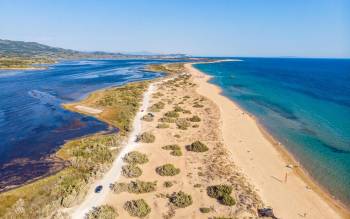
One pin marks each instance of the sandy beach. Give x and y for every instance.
(263, 164)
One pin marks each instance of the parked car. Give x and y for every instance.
(98, 189)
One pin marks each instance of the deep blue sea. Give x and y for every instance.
(32, 123)
(304, 103)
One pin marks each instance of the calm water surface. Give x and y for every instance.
(305, 103)
(32, 123)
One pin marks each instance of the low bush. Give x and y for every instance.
(163, 125)
(136, 187)
(119, 187)
(178, 109)
(168, 184)
(172, 114)
(177, 136)
(167, 170)
(195, 126)
(204, 210)
(197, 105)
(102, 212)
(197, 185)
(167, 120)
(176, 153)
(135, 157)
(197, 146)
(218, 190)
(227, 200)
(171, 147)
(137, 208)
(186, 112)
(148, 117)
(141, 186)
(222, 194)
(194, 119)
(180, 199)
(157, 107)
(182, 124)
(131, 171)
(146, 137)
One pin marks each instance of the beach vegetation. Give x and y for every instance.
(196, 105)
(102, 212)
(172, 114)
(135, 157)
(168, 184)
(197, 146)
(177, 136)
(205, 210)
(180, 199)
(148, 117)
(167, 120)
(167, 170)
(146, 137)
(163, 125)
(137, 208)
(182, 124)
(222, 194)
(176, 153)
(194, 119)
(157, 107)
(171, 147)
(136, 187)
(131, 171)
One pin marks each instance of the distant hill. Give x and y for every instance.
(11, 48)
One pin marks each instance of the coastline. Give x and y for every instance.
(339, 210)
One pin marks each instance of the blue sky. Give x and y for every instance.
(305, 28)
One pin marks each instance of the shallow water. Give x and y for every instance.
(304, 103)
(32, 122)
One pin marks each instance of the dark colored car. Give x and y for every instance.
(98, 189)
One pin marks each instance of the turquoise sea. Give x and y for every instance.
(304, 103)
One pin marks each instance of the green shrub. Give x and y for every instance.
(197, 185)
(102, 212)
(177, 136)
(135, 157)
(226, 199)
(131, 171)
(197, 146)
(176, 153)
(148, 117)
(197, 105)
(195, 119)
(146, 137)
(178, 109)
(119, 187)
(182, 124)
(222, 194)
(180, 199)
(195, 126)
(167, 120)
(167, 170)
(204, 210)
(137, 187)
(186, 112)
(163, 125)
(171, 147)
(137, 208)
(141, 186)
(172, 114)
(157, 107)
(219, 190)
(168, 184)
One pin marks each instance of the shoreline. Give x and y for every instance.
(287, 157)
